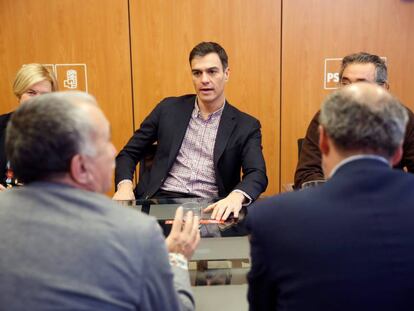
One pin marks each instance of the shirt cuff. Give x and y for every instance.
(178, 260)
(248, 197)
(124, 181)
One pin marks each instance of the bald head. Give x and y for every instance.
(364, 118)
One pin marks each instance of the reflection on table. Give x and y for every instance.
(220, 264)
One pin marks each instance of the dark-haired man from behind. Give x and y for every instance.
(359, 67)
(66, 246)
(348, 244)
(203, 144)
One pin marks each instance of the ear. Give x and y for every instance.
(78, 171)
(227, 74)
(386, 85)
(323, 141)
(397, 156)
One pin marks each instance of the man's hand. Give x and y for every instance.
(125, 192)
(2, 188)
(183, 239)
(230, 204)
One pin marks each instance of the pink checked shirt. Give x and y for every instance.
(193, 170)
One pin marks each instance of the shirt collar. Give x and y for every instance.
(196, 111)
(358, 157)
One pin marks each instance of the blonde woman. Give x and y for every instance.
(31, 80)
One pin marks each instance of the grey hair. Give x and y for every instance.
(381, 72)
(364, 118)
(45, 133)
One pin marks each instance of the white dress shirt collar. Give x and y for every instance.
(358, 157)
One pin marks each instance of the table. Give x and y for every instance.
(220, 264)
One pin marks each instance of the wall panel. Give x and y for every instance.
(91, 32)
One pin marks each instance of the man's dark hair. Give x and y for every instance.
(204, 48)
(44, 134)
(381, 75)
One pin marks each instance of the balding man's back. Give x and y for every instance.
(69, 249)
(346, 245)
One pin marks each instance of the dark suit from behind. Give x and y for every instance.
(237, 146)
(346, 245)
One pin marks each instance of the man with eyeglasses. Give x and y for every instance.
(358, 67)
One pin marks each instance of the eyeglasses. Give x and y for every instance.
(348, 82)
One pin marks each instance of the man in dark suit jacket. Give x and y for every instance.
(348, 244)
(203, 143)
(355, 68)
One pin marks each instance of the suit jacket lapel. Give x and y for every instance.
(181, 120)
(226, 126)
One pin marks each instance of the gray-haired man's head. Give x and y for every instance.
(46, 134)
(364, 118)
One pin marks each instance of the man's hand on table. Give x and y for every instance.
(125, 191)
(230, 204)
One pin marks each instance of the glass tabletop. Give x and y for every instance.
(164, 211)
(218, 269)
